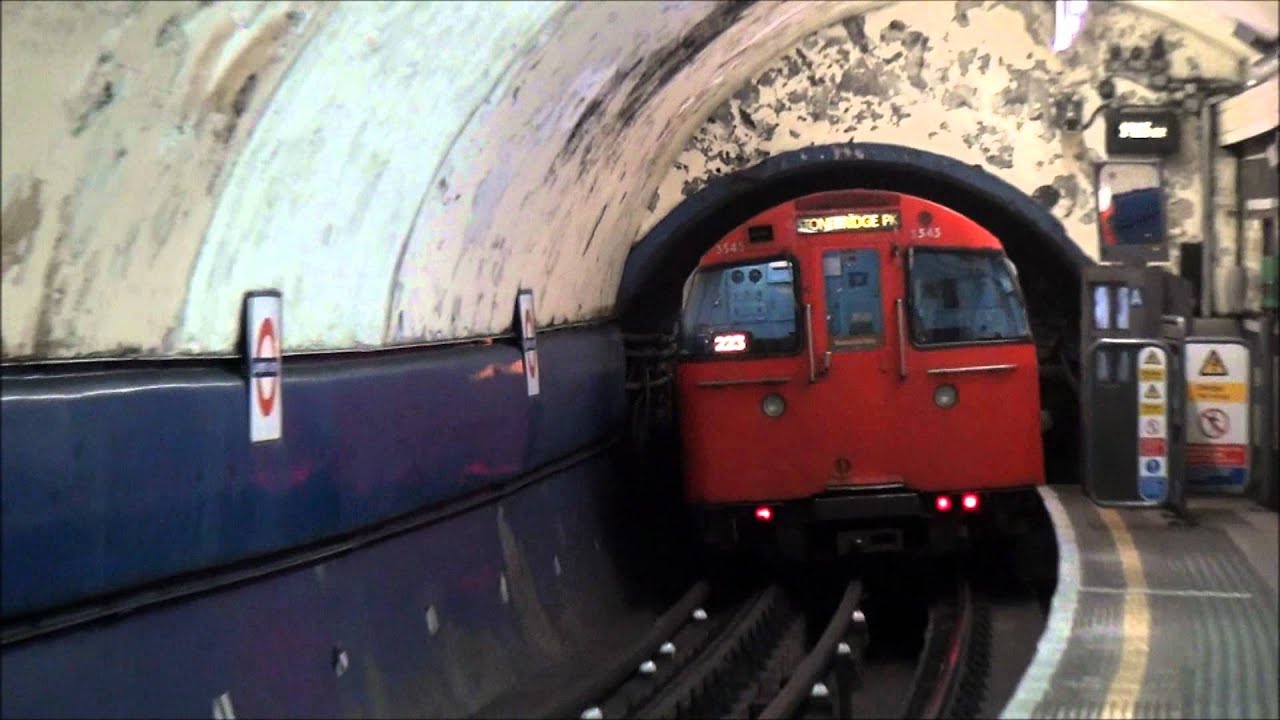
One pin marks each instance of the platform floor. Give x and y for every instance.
(1154, 617)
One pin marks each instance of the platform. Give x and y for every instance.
(1154, 617)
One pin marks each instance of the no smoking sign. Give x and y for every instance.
(263, 344)
(1214, 423)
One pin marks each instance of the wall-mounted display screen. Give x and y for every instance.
(1142, 131)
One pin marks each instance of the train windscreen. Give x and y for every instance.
(964, 297)
(747, 309)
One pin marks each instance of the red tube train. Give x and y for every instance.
(856, 371)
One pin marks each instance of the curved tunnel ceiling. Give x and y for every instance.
(399, 170)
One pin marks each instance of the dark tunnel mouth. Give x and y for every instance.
(657, 266)
(1050, 264)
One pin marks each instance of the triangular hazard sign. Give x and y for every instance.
(1152, 393)
(1213, 364)
(1153, 358)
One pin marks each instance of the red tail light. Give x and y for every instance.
(764, 513)
(969, 501)
(942, 502)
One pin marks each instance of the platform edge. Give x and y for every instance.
(1062, 612)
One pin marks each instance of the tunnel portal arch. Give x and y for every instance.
(657, 266)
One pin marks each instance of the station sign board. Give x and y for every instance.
(1217, 418)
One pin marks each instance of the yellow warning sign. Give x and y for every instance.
(1152, 393)
(1153, 358)
(1151, 374)
(1216, 392)
(1213, 364)
(1151, 409)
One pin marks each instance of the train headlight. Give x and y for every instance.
(945, 396)
(773, 405)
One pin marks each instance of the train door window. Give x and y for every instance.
(745, 309)
(964, 297)
(852, 282)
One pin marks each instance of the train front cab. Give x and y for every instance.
(856, 372)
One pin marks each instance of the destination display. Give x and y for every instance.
(850, 222)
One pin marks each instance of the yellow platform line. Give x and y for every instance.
(1135, 643)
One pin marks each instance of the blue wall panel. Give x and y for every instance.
(270, 644)
(118, 477)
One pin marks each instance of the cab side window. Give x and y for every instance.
(964, 297)
(748, 309)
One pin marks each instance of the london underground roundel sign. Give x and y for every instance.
(263, 343)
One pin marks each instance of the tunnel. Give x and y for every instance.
(473, 223)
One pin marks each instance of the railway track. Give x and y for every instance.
(761, 656)
(951, 673)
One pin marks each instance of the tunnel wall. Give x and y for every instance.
(434, 622)
(118, 477)
(973, 81)
(453, 535)
(396, 169)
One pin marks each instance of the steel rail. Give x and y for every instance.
(943, 659)
(787, 702)
(596, 685)
(706, 669)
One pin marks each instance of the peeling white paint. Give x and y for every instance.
(981, 94)
(515, 199)
(433, 620)
(122, 117)
(536, 210)
(321, 199)
(223, 708)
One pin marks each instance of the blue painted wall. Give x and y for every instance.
(120, 477)
(270, 644)
(512, 551)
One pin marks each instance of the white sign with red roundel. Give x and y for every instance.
(263, 342)
(528, 340)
